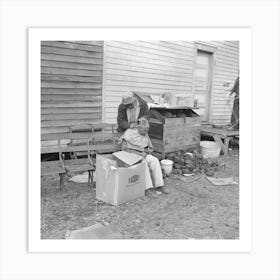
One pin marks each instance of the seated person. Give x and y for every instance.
(136, 140)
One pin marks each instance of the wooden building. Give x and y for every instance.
(71, 84)
(83, 81)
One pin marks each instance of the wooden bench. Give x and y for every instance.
(222, 136)
(102, 135)
(64, 166)
(83, 142)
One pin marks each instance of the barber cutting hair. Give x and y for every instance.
(130, 111)
(133, 115)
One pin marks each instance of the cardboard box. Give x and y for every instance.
(117, 184)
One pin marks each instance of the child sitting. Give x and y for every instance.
(137, 140)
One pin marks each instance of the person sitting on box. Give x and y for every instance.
(130, 111)
(137, 140)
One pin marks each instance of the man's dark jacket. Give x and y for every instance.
(123, 124)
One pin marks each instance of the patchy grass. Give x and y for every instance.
(192, 210)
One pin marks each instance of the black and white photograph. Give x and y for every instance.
(125, 150)
(140, 139)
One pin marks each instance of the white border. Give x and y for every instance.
(35, 244)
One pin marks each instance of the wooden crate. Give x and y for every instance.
(174, 134)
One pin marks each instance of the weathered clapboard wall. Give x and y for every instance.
(225, 71)
(71, 84)
(153, 67)
(156, 67)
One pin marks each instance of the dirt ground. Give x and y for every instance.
(194, 209)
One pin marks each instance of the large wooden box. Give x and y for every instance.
(174, 129)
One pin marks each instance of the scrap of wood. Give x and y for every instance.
(222, 181)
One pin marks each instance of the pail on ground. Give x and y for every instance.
(210, 149)
(166, 165)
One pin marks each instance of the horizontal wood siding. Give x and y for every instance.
(156, 67)
(225, 71)
(71, 84)
(153, 67)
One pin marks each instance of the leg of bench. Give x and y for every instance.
(226, 141)
(222, 145)
(90, 178)
(62, 179)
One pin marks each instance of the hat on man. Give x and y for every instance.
(128, 98)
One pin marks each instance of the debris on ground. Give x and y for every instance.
(96, 231)
(82, 178)
(194, 208)
(222, 181)
(188, 175)
(186, 163)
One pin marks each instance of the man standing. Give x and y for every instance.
(130, 111)
(235, 110)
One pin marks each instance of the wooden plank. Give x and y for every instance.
(229, 45)
(74, 52)
(150, 48)
(84, 148)
(181, 124)
(53, 143)
(226, 68)
(144, 83)
(146, 88)
(71, 72)
(79, 167)
(70, 97)
(150, 79)
(219, 131)
(148, 61)
(97, 147)
(90, 43)
(219, 141)
(49, 150)
(84, 116)
(65, 122)
(160, 45)
(70, 85)
(126, 64)
(68, 58)
(139, 52)
(70, 65)
(65, 136)
(60, 129)
(95, 126)
(50, 164)
(81, 91)
(71, 110)
(54, 133)
(183, 46)
(119, 64)
(165, 76)
(73, 45)
(222, 113)
(225, 77)
(77, 161)
(222, 60)
(71, 105)
(49, 168)
(53, 136)
(223, 119)
(68, 78)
